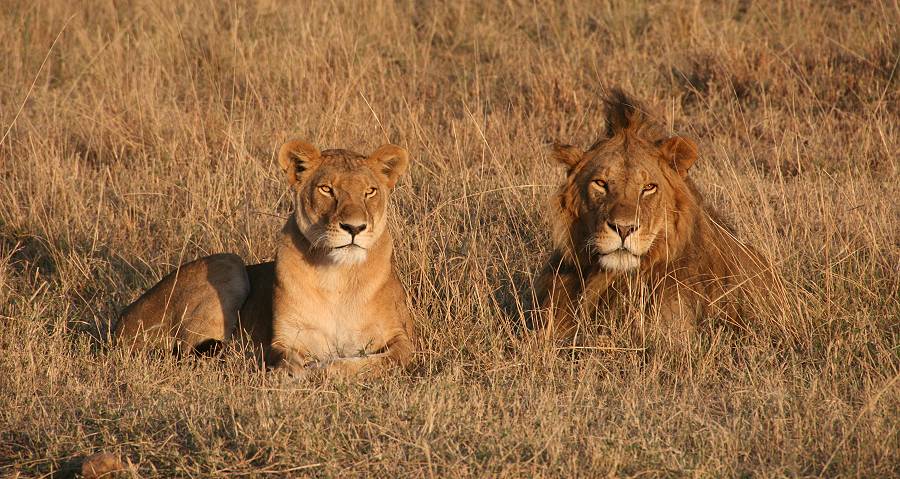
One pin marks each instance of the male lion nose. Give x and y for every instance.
(622, 229)
(353, 229)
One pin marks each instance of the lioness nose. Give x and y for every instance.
(622, 229)
(353, 229)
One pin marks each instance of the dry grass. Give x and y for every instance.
(139, 134)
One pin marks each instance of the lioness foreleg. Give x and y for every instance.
(397, 352)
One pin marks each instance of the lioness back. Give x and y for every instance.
(196, 303)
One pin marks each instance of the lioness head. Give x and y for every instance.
(341, 197)
(621, 201)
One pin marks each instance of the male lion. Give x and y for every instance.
(331, 299)
(628, 211)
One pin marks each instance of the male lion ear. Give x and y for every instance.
(295, 157)
(566, 154)
(389, 160)
(680, 153)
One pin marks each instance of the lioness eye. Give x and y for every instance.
(326, 190)
(649, 189)
(371, 192)
(600, 184)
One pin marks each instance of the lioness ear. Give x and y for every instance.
(566, 154)
(389, 160)
(295, 157)
(680, 153)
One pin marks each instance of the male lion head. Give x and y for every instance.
(624, 199)
(341, 197)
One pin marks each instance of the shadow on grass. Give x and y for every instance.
(35, 265)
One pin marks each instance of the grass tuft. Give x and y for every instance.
(138, 135)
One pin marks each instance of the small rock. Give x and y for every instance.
(102, 464)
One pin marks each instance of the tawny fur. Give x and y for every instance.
(628, 209)
(331, 301)
(197, 302)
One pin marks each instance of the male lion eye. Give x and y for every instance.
(326, 190)
(371, 192)
(600, 184)
(649, 189)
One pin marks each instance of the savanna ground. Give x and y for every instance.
(140, 134)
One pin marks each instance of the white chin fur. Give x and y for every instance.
(347, 255)
(620, 261)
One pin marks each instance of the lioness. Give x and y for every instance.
(628, 211)
(331, 299)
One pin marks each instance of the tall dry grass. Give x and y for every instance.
(140, 134)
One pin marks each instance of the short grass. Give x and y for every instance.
(139, 134)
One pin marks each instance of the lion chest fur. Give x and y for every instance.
(325, 310)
